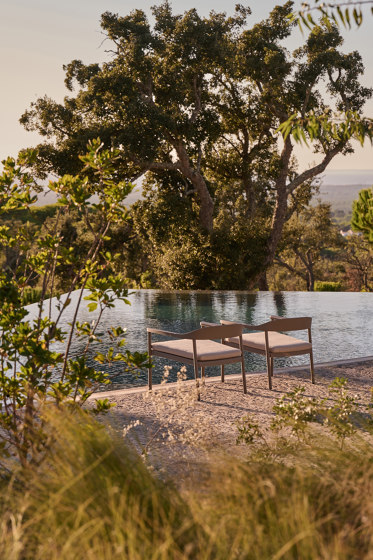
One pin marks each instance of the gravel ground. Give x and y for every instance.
(191, 428)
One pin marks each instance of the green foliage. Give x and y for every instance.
(248, 430)
(32, 372)
(339, 416)
(307, 236)
(328, 286)
(179, 255)
(31, 295)
(208, 95)
(358, 254)
(33, 214)
(295, 411)
(362, 214)
(330, 127)
(343, 12)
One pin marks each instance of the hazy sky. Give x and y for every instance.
(38, 36)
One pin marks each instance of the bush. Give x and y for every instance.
(328, 286)
(32, 371)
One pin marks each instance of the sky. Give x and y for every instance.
(38, 36)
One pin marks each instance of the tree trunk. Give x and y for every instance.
(263, 283)
(310, 280)
(206, 209)
(311, 275)
(279, 216)
(283, 190)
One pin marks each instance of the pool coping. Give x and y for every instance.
(233, 376)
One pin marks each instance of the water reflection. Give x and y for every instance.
(280, 303)
(338, 322)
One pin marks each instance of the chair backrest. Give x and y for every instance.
(287, 324)
(212, 333)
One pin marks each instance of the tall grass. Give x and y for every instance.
(320, 507)
(92, 498)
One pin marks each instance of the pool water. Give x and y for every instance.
(342, 326)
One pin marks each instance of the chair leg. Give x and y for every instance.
(243, 376)
(268, 360)
(242, 365)
(150, 380)
(269, 371)
(197, 382)
(196, 368)
(312, 368)
(203, 375)
(222, 373)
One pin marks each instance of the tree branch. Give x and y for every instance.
(316, 170)
(284, 264)
(197, 97)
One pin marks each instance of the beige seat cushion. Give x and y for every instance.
(207, 350)
(278, 342)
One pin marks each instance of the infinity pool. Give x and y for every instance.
(342, 325)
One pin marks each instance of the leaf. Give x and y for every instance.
(101, 358)
(340, 13)
(347, 16)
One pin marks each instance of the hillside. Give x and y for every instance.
(341, 198)
(334, 191)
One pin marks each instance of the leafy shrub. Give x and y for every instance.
(31, 295)
(339, 417)
(328, 286)
(295, 413)
(32, 370)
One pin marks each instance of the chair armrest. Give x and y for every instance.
(245, 325)
(166, 333)
(207, 324)
(276, 317)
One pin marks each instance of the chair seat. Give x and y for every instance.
(278, 343)
(207, 350)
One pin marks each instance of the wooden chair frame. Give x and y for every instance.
(221, 332)
(277, 324)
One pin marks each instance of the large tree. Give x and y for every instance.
(269, 88)
(202, 100)
(154, 99)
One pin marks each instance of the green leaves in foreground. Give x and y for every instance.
(339, 13)
(36, 363)
(328, 127)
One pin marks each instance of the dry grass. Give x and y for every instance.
(94, 499)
